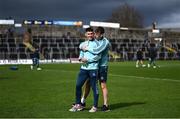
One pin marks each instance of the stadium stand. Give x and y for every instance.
(63, 42)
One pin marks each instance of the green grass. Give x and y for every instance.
(133, 92)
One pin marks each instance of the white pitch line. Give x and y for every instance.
(117, 75)
(164, 79)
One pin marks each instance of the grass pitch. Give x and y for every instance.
(133, 92)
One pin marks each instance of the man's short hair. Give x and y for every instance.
(99, 30)
(89, 29)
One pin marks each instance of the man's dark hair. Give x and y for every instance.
(99, 30)
(89, 29)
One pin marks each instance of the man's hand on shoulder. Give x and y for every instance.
(84, 47)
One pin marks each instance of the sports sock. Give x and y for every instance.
(82, 100)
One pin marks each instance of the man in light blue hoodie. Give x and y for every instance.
(88, 70)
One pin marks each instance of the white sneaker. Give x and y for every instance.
(154, 66)
(148, 65)
(137, 66)
(93, 109)
(31, 67)
(76, 107)
(39, 69)
(143, 65)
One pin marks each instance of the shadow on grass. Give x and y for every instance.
(122, 105)
(4, 78)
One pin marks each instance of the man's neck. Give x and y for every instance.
(100, 38)
(91, 39)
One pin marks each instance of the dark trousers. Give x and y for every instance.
(152, 61)
(35, 62)
(82, 77)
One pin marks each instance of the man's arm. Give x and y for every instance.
(90, 60)
(101, 47)
(81, 55)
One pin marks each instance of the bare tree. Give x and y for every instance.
(127, 16)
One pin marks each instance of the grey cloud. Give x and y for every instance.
(152, 10)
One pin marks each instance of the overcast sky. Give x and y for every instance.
(165, 12)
